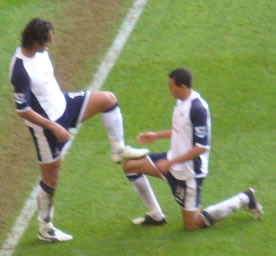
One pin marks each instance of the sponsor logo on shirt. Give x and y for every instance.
(19, 98)
(201, 131)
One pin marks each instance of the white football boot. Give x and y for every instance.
(47, 232)
(120, 152)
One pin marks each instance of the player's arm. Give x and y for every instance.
(164, 165)
(60, 132)
(193, 153)
(147, 137)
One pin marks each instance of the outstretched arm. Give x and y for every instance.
(61, 133)
(147, 137)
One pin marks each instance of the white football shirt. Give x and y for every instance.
(191, 125)
(35, 85)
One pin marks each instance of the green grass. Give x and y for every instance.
(230, 46)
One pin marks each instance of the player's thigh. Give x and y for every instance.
(140, 166)
(99, 101)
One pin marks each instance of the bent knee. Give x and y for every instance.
(101, 101)
(128, 166)
(109, 98)
(192, 226)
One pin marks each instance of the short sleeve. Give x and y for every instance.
(199, 119)
(21, 83)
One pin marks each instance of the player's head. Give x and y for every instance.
(37, 31)
(182, 76)
(180, 83)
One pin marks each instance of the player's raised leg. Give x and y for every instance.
(106, 103)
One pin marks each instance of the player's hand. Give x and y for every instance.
(146, 137)
(61, 133)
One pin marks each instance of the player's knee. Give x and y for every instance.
(191, 226)
(52, 180)
(101, 101)
(53, 183)
(129, 166)
(109, 98)
(126, 166)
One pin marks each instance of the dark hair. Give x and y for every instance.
(182, 76)
(37, 30)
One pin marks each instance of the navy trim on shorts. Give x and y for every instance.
(157, 156)
(36, 144)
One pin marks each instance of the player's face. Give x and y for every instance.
(51, 38)
(176, 91)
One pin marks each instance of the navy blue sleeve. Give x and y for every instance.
(21, 83)
(199, 121)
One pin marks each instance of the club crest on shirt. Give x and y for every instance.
(19, 98)
(200, 131)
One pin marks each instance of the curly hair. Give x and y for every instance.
(37, 30)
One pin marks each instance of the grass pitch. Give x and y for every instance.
(230, 47)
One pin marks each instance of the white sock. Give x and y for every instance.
(45, 202)
(225, 208)
(113, 124)
(143, 189)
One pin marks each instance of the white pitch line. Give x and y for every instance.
(118, 44)
(24, 218)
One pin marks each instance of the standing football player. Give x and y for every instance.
(49, 113)
(185, 165)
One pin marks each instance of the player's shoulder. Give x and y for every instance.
(197, 101)
(17, 71)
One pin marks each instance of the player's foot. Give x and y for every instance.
(148, 221)
(51, 234)
(253, 205)
(128, 152)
